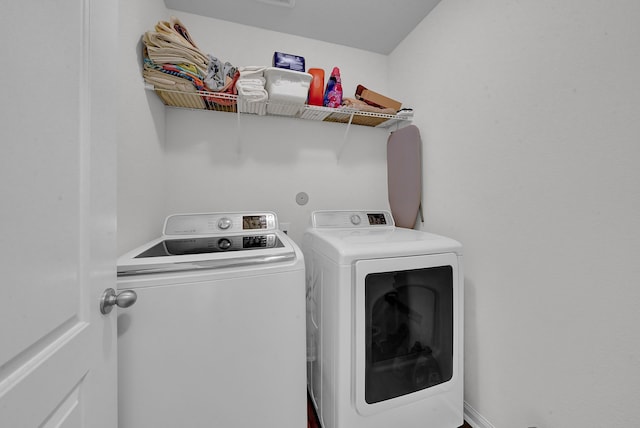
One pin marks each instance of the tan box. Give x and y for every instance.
(375, 99)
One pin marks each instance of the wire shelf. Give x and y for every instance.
(217, 101)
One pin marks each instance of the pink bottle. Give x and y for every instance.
(333, 93)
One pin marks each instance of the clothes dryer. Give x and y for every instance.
(217, 335)
(384, 323)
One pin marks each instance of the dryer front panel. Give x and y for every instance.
(405, 329)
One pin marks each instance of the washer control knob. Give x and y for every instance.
(224, 244)
(355, 219)
(224, 223)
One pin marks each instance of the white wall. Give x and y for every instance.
(173, 160)
(141, 140)
(203, 171)
(528, 112)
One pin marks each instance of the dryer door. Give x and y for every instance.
(405, 329)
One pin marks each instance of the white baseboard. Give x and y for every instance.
(475, 419)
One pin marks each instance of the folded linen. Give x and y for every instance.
(175, 27)
(251, 72)
(170, 51)
(182, 70)
(164, 81)
(181, 91)
(255, 81)
(163, 48)
(218, 73)
(251, 93)
(252, 96)
(252, 99)
(251, 83)
(158, 39)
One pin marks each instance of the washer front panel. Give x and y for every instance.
(214, 223)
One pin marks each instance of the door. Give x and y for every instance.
(405, 325)
(57, 215)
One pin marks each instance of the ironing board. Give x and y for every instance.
(404, 175)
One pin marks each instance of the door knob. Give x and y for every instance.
(123, 299)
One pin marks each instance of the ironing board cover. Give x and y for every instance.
(404, 175)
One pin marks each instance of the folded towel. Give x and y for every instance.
(165, 57)
(167, 82)
(251, 93)
(186, 94)
(175, 27)
(173, 61)
(161, 39)
(229, 88)
(255, 81)
(184, 71)
(252, 72)
(163, 48)
(218, 73)
(248, 68)
(251, 83)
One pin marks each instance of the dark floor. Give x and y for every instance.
(312, 418)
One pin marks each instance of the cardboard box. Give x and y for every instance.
(375, 99)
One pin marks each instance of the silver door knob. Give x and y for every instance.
(123, 299)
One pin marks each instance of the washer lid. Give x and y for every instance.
(212, 241)
(211, 244)
(207, 252)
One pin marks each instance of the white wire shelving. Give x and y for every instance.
(216, 101)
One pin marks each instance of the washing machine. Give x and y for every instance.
(216, 337)
(384, 323)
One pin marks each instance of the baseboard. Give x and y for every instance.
(475, 419)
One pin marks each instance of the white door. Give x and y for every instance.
(57, 213)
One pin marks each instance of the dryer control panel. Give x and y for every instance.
(352, 219)
(219, 223)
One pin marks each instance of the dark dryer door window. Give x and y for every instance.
(408, 325)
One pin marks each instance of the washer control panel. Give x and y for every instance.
(215, 223)
(352, 219)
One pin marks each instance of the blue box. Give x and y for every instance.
(288, 61)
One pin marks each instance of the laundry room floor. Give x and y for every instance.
(312, 418)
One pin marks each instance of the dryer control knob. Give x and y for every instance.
(224, 244)
(225, 223)
(355, 219)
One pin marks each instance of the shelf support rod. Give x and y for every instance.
(239, 138)
(344, 137)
